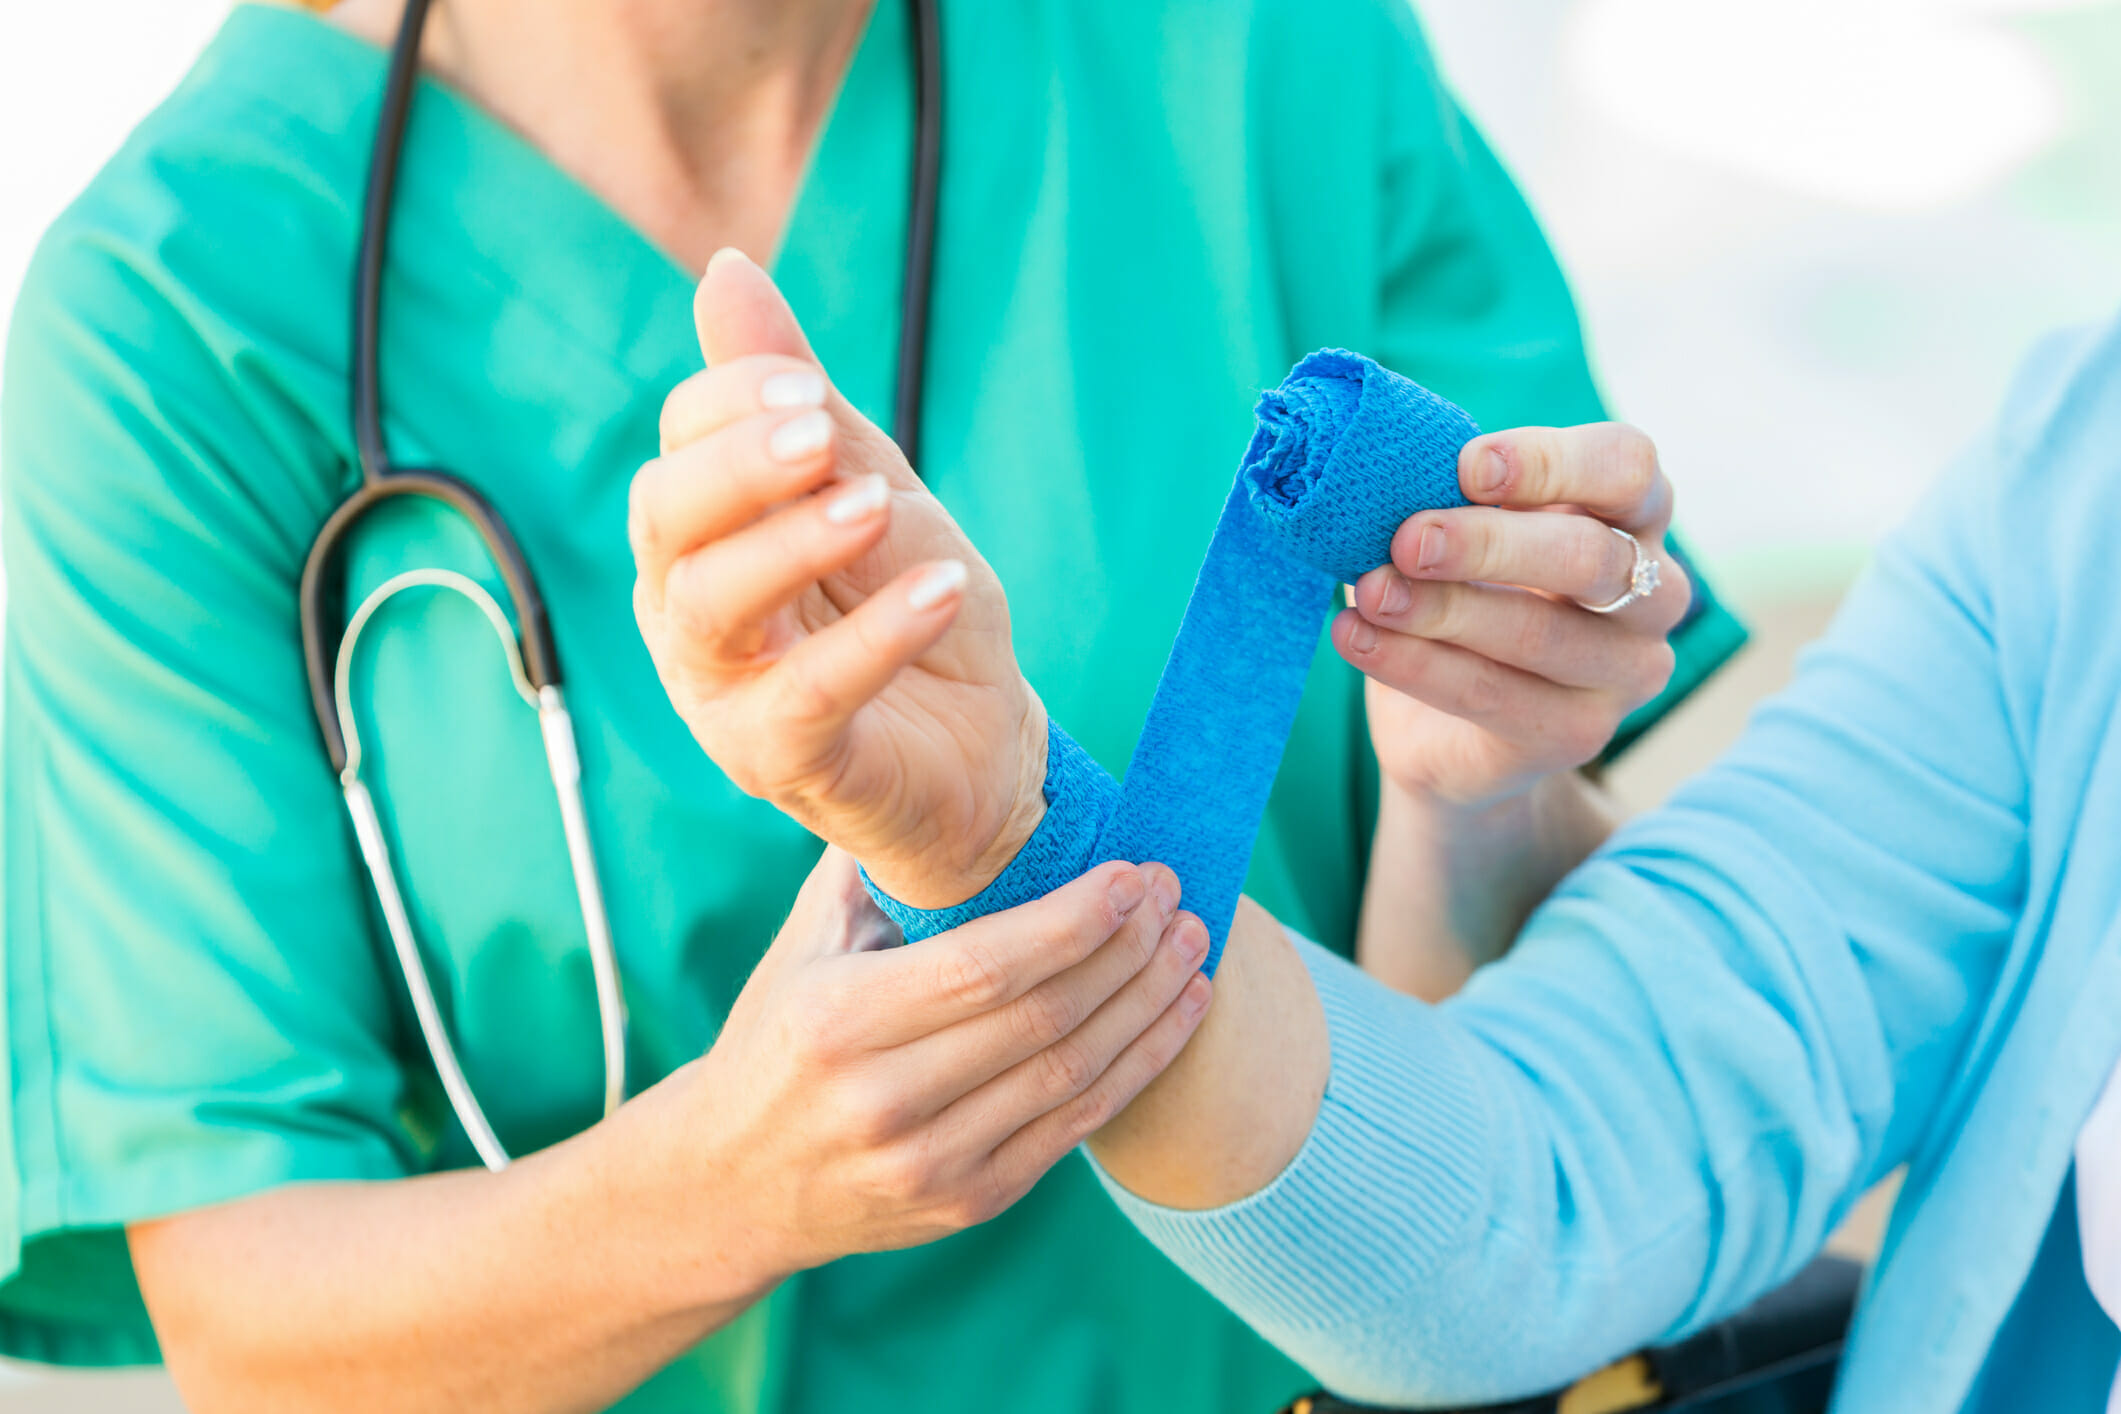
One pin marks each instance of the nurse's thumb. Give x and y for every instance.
(738, 311)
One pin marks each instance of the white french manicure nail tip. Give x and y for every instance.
(865, 498)
(937, 584)
(800, 436)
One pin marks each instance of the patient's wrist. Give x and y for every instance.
(1452, 884)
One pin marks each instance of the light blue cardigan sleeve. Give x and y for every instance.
(1714, 1037)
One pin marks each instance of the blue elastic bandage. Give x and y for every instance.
(1344, 453)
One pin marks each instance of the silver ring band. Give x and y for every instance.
(1643, 579)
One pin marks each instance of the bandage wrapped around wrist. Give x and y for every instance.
(1344, 452)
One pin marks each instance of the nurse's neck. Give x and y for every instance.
(693, 119)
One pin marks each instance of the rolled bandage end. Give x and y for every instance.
(1345, 451)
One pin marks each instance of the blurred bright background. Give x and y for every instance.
(1811, 238)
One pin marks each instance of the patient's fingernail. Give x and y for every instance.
(1190, 936)
(1362, 638)
(800, 437)
(1126, 892)
(1194, 1000)
(1489, 473)
(860, 501)
(1397, 595)
(1428, 551)
(937, 583)
(802, 389)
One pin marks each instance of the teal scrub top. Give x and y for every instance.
(1150, 209)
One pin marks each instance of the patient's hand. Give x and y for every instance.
(1489, 682)
(1486, 673)
(822, 625)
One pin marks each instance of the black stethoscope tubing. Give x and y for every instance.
(329, 637)
(321, 604)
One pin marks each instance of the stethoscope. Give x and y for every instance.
(533, 662)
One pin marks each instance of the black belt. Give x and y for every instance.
(1778, 1356)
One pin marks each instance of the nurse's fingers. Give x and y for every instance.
(718, 485)
(1570, 722)
(1020, 1160)
(827, 676)
(1059, 1075)
(1552, 639)
(738, 310)
(1570, 555)
(1607, 468)
(720, 597)
(984, 965)
(1047, 1018)
(713, 398)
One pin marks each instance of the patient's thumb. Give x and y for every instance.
(738, 310)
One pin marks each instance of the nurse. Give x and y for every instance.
(218, 1111)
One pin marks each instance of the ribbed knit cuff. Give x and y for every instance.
(1390, 1181)
(1080, 797)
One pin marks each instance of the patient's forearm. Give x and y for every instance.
(1448, 889)
(1237, 1104)
(1450, 886)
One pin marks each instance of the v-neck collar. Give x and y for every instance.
(529, 228)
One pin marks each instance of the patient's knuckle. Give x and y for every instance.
(1588, 556)
(1632, 464)
(1534, 456)
(1535, 634)
(1419, 617)
(1444, 614)
(1481, 693)
(1479, 548)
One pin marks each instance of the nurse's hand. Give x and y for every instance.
(1485, 671)
(864, 1096)
(857, 1099)
(822, 625)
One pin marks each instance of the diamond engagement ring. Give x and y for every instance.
(1643, 579)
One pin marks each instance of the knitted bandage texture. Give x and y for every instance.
(1344, 452)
